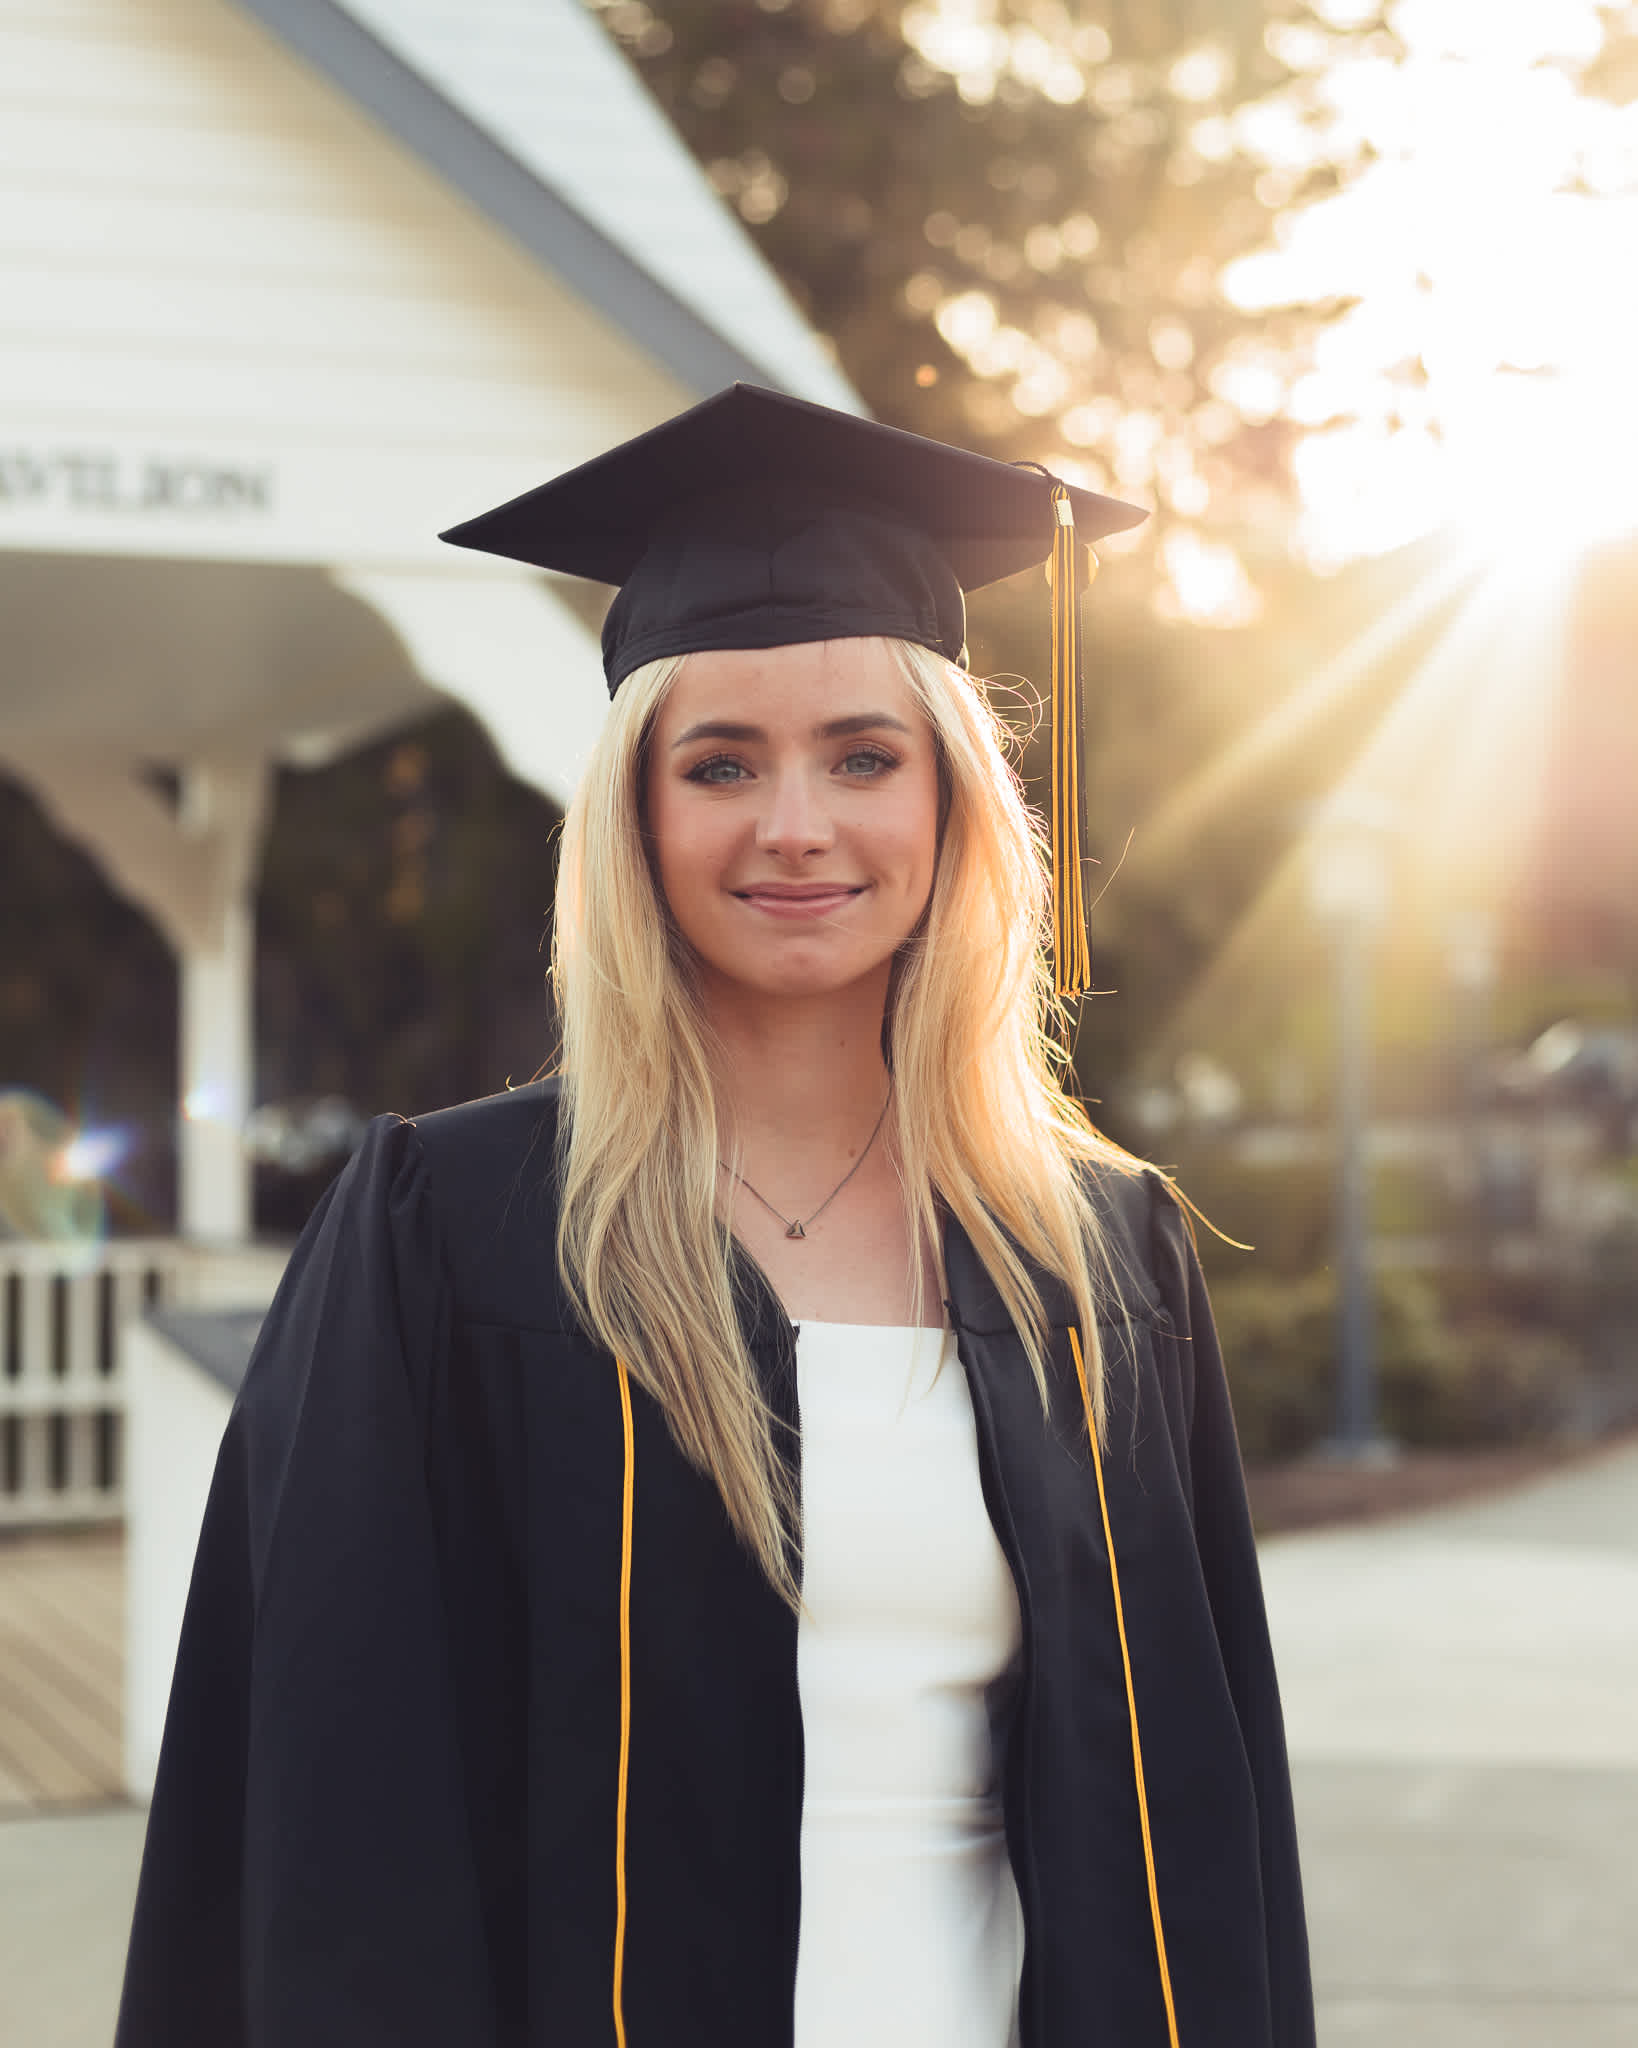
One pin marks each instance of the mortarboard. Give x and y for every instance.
(758, 520)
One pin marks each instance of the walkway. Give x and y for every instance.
(1462, 1698)
(1461, 1693)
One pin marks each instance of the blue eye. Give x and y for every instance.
(868, 762)
(719, 769)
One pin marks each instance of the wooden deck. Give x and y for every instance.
(62, 1656)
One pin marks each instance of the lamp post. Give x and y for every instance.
(1470, 960)
(1348, 883)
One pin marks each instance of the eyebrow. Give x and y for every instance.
(832, 729)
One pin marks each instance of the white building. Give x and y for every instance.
(286, 286)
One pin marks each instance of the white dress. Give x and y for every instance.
(911, 1934)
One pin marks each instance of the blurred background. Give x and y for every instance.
(1346, 292)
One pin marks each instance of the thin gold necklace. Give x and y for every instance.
(798, 1226)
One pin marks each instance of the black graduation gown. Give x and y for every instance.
(385, 1808)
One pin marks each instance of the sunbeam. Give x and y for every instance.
(1220, 783)
(1462, 754)
(1457, 762)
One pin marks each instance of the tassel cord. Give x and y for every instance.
(1071, 953)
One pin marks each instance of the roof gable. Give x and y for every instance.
(531, 113)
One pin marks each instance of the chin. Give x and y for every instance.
(797, 979)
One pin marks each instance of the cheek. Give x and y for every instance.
(922, 837)
(684, 849)
(660, 829)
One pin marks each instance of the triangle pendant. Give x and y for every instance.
(795, 1230)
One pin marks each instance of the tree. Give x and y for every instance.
(1011, 216)
(87, 998)
(402, 919)
(1307, 277)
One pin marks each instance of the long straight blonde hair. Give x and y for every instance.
(981, 1124)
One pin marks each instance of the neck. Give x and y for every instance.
(800, 1073)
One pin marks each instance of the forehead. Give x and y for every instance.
(809, 683)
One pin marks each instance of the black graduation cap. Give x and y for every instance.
(759, 520)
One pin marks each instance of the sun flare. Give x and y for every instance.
(1479, 376)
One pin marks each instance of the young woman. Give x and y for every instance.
(743, 1543)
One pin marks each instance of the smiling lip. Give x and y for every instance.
(798, 900)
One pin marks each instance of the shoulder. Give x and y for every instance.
(488, 1172)
(1148, 1252)
(1155, 1281)
(466, 1147)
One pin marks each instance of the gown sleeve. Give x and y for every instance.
(1228, 1558)
(308, 1876)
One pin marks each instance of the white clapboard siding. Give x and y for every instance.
(208, 250)
(109, 60)
(313, 389)
(267, 318)
(67, 226)
(275, 161)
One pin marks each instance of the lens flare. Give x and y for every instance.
(92, 1155)
(1478, 375)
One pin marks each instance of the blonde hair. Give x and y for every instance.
(981, 1123)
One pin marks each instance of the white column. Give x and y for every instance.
(213, 1175)
(193, 869)
(221, 814)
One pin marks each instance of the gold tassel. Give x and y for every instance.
(1071, 953)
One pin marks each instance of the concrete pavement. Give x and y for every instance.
(1457, 1905)
(66, 1886)
(1461, 1694)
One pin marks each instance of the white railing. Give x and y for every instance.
(62, 1382)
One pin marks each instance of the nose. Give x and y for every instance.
(796, 821)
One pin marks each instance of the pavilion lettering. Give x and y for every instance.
(96, 480)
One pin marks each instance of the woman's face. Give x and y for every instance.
(792, 805)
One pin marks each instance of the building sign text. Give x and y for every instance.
(99, 480)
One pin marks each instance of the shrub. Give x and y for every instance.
(1278, 1339)
(1483, 1381)
(1286, 1212)
(1283, 1212)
